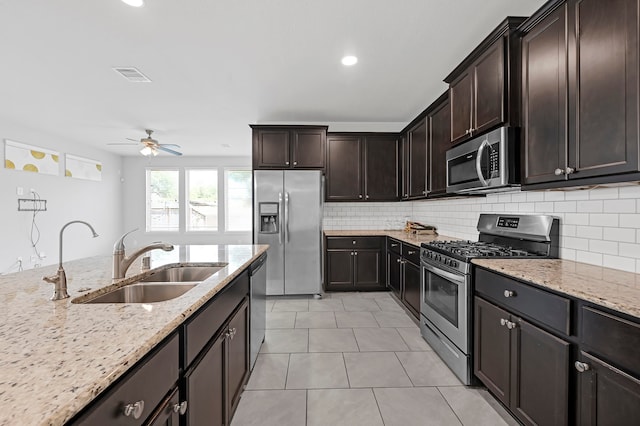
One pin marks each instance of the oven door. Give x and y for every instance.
(445, 302)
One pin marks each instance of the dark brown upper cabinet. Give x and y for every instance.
(289, 147)
(580, 93)
(439, 125)
(414, 160)
(362, 167)
(483, 89)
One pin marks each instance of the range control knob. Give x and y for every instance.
(454, 263)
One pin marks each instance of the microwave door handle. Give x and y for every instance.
(483, 145)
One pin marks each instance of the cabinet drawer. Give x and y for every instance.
(411, 253)
(204, 325)
(149, 381)
(394, 246)
(354, 242)
(539, 305)
(611, 337)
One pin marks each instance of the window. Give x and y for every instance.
(238, 200)
(202, 199)
(163, 206)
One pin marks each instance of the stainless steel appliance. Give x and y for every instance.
(288, 217)
(488, 163)
(447, 286)
(258, 318)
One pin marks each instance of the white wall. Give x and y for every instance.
(135, 192)
(600, 226)
(67, 199)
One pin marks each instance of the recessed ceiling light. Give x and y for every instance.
(349, 61)
(134, 3)
(226, 145)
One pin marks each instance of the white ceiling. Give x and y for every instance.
(219, 65)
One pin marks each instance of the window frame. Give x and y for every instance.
(147, 223)
(226, 197)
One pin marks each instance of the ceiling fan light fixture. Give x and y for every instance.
(349, 60)
(134, 3)
(146, 151)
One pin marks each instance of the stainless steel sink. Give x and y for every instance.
(144, 293)
(180, 274)
(161, 285)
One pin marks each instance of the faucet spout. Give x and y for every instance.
(121, 262)
(59, 280)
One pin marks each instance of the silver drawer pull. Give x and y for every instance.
(503, 321)
(398, 260)
(394, 245)
(511, 325)
(180, 408)
(509, 293)
(581, 366)
(134, 410)
(411, 252)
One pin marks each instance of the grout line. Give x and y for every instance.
(356, 339)
(286, 376)
(375, 398)
(346, 370)
(404, 369)
(306, 407)
(450, 407)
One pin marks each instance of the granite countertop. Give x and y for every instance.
(611, 288)
(398, 235)
(56, 357)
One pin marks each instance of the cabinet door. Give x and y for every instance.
(411, 295)
(394, 268)
(167, 415)
(460, 97)
(238, 356)
(606, 395)
(339, 269)
(492, 349)
(603, 86)
(439, 143)
(544, 98)
(205, 387)
(381, 163)
(488, 105)
(417, 140)
(309, 148)
(405, 166)
(368, 268)
(540, 378)
(271, 148)
(344, 172)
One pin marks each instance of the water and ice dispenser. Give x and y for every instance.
(269, 218)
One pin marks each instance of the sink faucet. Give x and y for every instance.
(59, 280)
(121, 262)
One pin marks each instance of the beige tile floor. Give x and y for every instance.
(355, 359)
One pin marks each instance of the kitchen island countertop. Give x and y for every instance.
(611, 288)
(56, 357)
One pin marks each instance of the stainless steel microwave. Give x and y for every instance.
(488, 163)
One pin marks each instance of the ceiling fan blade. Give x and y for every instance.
(122, 143)
(134, 140)
(170, 151)
(169, 144)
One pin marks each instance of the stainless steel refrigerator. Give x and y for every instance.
(288, 216)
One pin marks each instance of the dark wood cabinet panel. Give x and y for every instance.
(488, 100)
(411, 294)
(355, 263)
(606, 395)
(492, 349)
(205, 387)
(271, 148)
(439, 120)
(238, 356)
(544, 86)
(309, 148)
(394, 268)
(344, 173)
(167, 415)
(417, 145)
(603, 86)
(461, 98)
(368, 268)
(339, 269)
(381, 168)
(540, 376)
(286, 147)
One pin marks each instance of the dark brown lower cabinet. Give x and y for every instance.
(215, 383)
(606, 395)
(394, 280)
(522, 365)
(404, 274)
(411, 295)
(355, 264)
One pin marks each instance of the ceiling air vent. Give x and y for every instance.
(133, 75)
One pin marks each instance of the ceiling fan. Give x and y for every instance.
(151, 146)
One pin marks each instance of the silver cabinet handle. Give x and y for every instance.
(581, 366)
(352, 253)
(511, 325)
(424, 192)
(286, 163)
(366, 196)
(398, 261)
(509, 293)
(180, 408)
(353, 242)
(295, 163)
(569, 170)
(355, 253)
(360, 196)
(411, 252)
(503, 321)
(134, 410)
(558, 172)
(394, 245)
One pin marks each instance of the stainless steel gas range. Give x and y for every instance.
(447, 286)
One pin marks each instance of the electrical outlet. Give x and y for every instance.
(33, 258)
(42, 255)
(20, 190)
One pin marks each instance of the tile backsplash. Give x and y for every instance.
(600, 226)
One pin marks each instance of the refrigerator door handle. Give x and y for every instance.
(280, 219)
(286, 215)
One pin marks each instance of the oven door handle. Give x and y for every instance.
(444, 274)
(483, 145)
